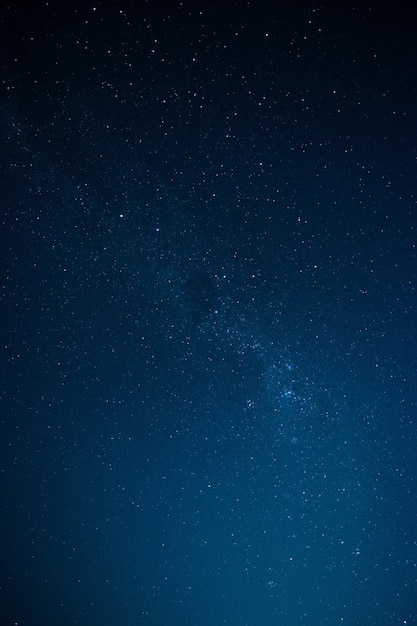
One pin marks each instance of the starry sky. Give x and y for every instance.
(208, 313)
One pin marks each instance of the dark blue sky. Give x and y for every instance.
(208, 274)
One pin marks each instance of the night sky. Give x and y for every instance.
(208, 313)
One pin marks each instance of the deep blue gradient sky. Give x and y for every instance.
(208, 314)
